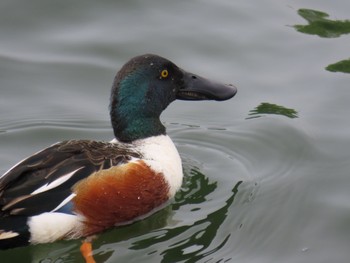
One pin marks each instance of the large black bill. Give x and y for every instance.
(199, 88)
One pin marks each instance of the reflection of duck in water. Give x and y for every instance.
(78, 188)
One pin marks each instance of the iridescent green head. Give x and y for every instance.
(145, 86)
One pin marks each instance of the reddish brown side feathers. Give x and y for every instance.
(119, 194)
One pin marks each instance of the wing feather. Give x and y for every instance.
(43, 182)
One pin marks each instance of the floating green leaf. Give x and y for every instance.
(320, 25)
(341, 66)
(268, 108)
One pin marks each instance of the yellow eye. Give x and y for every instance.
(164, 74)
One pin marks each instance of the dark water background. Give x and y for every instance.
(267, 174)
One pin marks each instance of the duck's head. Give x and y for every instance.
(146, 85)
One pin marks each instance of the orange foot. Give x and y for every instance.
(86, 251)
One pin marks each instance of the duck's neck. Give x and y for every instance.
(128, 128)
(132, 116)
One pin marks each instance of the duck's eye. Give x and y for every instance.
(164, 74)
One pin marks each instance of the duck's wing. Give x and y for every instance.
(43, 182)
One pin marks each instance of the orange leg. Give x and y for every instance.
(86, 251)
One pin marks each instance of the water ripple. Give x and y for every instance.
(66, 123)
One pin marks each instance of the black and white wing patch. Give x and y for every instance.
(43, 182)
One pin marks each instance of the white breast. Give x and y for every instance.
(160, 153)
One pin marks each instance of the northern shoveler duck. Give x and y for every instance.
(78, 188)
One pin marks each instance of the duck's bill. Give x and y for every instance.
(199, 88)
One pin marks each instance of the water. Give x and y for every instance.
(266, 173)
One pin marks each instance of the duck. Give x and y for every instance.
(80, 188)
